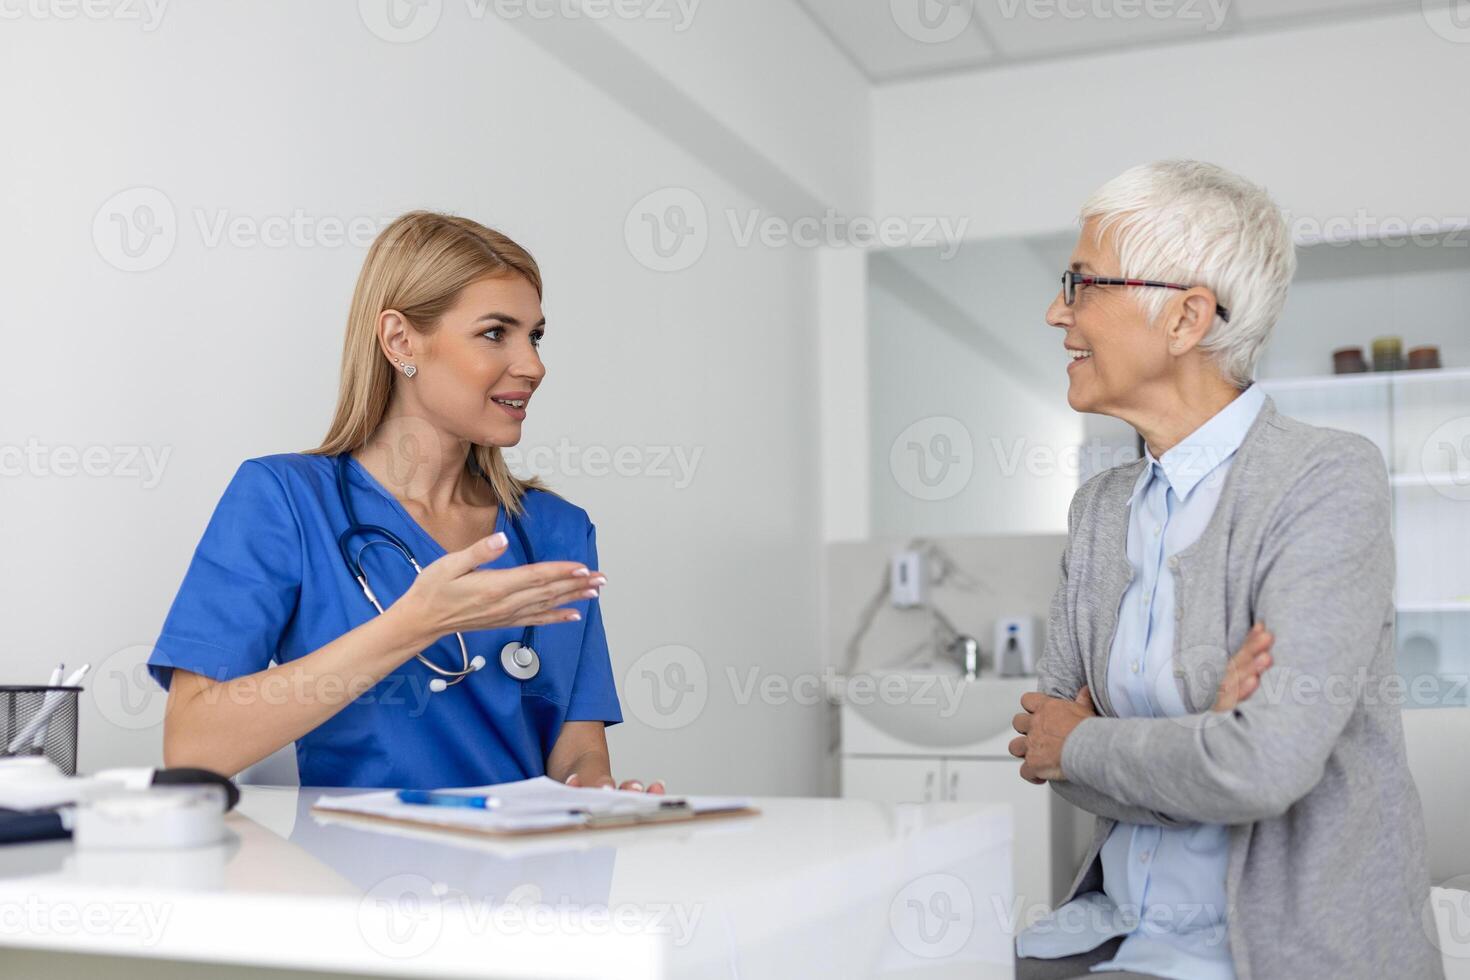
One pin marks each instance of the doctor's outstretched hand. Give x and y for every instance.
(454, 594)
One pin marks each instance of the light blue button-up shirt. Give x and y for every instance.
(1163, 887)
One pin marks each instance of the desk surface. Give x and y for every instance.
(809, 888)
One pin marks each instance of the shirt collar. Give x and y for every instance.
(1201, 452)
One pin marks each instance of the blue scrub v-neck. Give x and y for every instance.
(408, 519)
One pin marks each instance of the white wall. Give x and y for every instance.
(1333, 120)
(970, 429)
(223, 351)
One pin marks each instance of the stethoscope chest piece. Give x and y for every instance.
(520, 662)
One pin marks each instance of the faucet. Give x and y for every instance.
(967, 651)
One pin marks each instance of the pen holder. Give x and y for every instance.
(20, 707)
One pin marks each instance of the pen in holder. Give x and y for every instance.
(37, 720)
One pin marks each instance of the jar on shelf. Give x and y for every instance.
(1423, 358)
(1348, 360)
(1388, 354)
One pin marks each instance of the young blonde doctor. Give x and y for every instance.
(395, 602)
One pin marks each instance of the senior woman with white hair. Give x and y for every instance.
(1250, 825)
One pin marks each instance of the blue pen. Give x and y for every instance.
(430, 798)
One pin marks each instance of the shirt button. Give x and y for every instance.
(1143, 858)
(1173, 561)
(1134, 666)
(1156, 530)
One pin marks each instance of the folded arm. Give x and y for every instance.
(1325, 591)
(1060, 675)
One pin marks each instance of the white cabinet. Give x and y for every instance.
(893, 780)
(879, 765)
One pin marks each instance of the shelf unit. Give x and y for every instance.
(1420, 421)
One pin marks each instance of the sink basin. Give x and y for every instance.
(888, 711)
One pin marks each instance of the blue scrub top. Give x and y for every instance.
(267, 583)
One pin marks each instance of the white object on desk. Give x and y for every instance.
(158, 818)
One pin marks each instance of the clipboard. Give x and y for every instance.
(595, 810)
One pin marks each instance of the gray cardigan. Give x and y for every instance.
(1327, 874)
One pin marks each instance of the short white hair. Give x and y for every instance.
(1198, 224)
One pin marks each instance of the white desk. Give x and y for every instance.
(809, 888)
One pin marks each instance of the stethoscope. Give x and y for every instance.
(519, 658)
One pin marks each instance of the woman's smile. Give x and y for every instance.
(513, 402)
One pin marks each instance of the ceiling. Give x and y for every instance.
(898, 39)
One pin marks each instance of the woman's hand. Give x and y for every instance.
(1044, 726)
(604, 779)
(1243, 672)
(452, 594)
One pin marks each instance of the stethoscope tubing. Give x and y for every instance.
(518, 659)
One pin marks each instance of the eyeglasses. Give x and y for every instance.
(1071, 280)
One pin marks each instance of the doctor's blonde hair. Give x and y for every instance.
(417, 266)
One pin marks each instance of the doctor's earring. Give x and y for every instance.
(408, 369)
